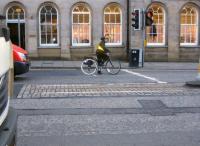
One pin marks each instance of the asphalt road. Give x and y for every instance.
(135, 108)
(68, 76)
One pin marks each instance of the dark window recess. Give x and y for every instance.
(4, 32)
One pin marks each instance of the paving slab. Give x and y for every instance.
(89, 129)
(104, 124)
(103, 102)
(97, 102)
(147, 139)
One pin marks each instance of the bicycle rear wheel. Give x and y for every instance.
(89, 66)
(113, 67)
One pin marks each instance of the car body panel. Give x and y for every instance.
(8, 117)
(4, 54)
(21, 66)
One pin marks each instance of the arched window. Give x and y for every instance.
(113, 24)
(15, 19)
(156, 33)
(48, 26)
(81, 25)
(189, 26)
(15, 13)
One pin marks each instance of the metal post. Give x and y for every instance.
(128, 30)
(198, 76)
(19, 33)
(144, 36)
(19, 29)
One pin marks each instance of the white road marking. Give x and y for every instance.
(144, 76)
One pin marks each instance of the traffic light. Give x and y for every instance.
(136, 19)
(2, 17)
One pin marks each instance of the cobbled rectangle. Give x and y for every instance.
(66, 90)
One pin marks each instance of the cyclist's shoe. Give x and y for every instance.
(85, 62)
(99, 72)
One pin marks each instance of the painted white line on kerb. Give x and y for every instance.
(144, 76)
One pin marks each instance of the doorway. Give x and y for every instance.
(17, 33)
(16, 24)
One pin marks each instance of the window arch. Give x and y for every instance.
(189, 26)
(48, 26)
(15, 13)
(81, 25)
(113, 24)
(156, 33)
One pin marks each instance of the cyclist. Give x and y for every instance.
(102, 53)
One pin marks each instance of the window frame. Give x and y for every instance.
(72, 24)
(57, 26)
(15, 20)
(196, 24)
(164, 28)
(121, 27)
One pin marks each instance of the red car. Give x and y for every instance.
(21, 60)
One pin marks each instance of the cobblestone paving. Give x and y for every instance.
(66, 90)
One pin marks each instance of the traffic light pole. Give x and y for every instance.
(128, 30)
(144, 42)
(139, 23)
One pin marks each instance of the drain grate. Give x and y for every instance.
(152, 104)
(156, 108)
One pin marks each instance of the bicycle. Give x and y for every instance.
(90, 66)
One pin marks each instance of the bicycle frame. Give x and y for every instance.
(106, 63)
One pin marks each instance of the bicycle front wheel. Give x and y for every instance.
(89, 66)
(113, 67)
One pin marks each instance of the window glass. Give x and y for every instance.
(81, 25)
(156, 33)
(189, 26)
(113, 24)
(15, 13)
(48, 26)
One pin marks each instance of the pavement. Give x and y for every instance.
(109, 130)
(51, 64)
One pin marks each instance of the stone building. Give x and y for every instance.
(66, 29)
(70, 29)
(177, 35)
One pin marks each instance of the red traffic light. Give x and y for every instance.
(2, 17)
(135, 14)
